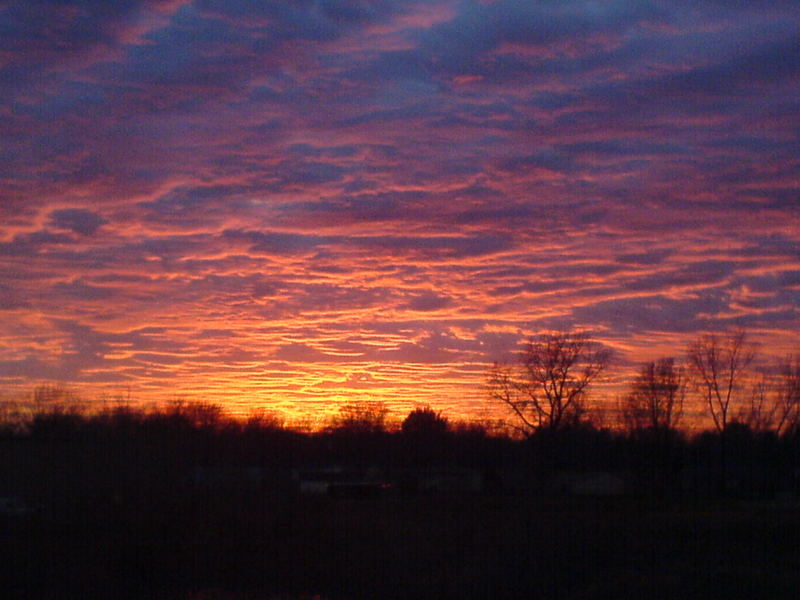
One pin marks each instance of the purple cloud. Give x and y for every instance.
(312, 202)
(80, 221)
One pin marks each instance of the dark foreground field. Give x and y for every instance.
(182, 504)
(436, 546)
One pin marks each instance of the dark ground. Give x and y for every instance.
(245, 545)
(117, 514)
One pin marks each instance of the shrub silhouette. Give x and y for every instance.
(425, 422)
(360, 418)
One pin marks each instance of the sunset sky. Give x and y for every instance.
(293, 204)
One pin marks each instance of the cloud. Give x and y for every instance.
(30, 368)
(547, 159)
(429, 301)
(771, 63)
(35, 243)
(298, 352)
(81, 290)
(274, 242)
(11, 300)
(257, 199)
(80, 221)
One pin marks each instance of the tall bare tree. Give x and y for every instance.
(718, 368)
(547, 388)
(655, 400)
(788, 396)
(759, 410)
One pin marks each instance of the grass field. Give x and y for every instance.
(438, 546)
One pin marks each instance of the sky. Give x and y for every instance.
(292, 205)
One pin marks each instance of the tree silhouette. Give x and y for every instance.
(425, 422)
(788, 396)
(360, 418)
(547, 389)
(718, 366)
(655, 401)
(760, 407)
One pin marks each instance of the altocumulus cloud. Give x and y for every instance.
(270, 201)
(80, 221)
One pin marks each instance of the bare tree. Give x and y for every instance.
(547, 388)
(655, 401)
(718, 367)
(788, 396)
(360, 418)
(760, 406)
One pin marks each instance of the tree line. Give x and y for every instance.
(547, 389)
(158, 503)
(166, 500)
(61, 454)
